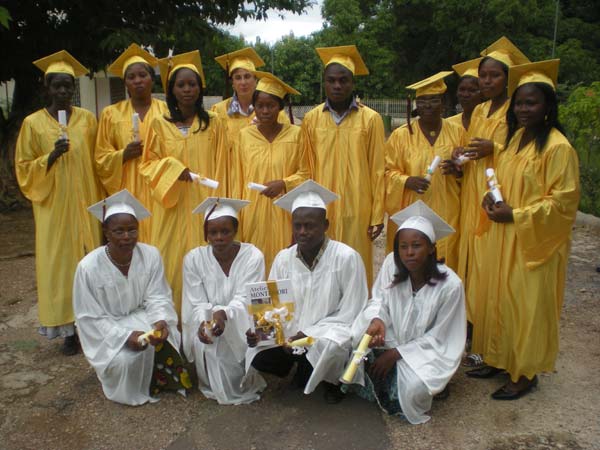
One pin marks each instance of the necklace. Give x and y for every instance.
(107, 251)
(433, 133)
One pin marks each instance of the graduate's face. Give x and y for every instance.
(339, 83)
(121, 231)
(530, 106)
(414, 249)
(468, 93)
(429, 107)
(309, 226)
(138, 81)
(266, 108)
(61, 87)
(243, 82)
(220, 232)
(186, 87)
(492, 79)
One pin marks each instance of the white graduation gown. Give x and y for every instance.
(428, 330)
(109, 306)
(328, 299)
(220, 365)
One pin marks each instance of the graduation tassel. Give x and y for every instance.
(290, 112)
(227, 83)
(208, 217)
(408, 113)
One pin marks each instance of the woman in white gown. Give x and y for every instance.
(416, 317)
(214, 312)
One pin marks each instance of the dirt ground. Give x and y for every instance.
(49, 401)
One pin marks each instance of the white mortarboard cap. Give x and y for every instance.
(225, 207)
(120, 203)
(421, 217)
(309, 194)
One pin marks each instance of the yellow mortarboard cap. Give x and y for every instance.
(133, 54)
(537, 72)
(61, 62)
(190, 60)
(246, 58)
(418, 216)
(346, 55)
(270, 84)
(120, 203)
(506, 52)
(434, 85)
(468, 68)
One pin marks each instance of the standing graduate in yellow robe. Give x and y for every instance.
(272, 154)
(188, 145)
(467, 91)
(527, 239)
(409, 152)
(487, 132)
(55, 171)
(118, 147)
(345, 140)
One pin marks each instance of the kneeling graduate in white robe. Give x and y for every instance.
(329, 288)
(214, 313)
(417, 320)
(119, 295)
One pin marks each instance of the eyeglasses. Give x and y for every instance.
(121, 233)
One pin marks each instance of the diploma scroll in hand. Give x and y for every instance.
(135, 120)
(494, 187)
(434, 164)
(461, 159)
(299, 345)
(256, 186)
(213, 184)
(357, 358)
(144, 339)
(207, 318)
(62, 121)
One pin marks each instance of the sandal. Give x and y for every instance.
(473, 360)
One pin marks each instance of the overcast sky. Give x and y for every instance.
(274, 28)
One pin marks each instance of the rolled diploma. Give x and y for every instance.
(491, 176)
(135, 119)
(357, 359)
(461, 160)
(304, 342)
(206, 316)
(213, 184)
(256, 186)
(143, 338)
(62, 121)
(432, 167)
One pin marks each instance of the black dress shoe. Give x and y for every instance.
(333, 394)
(70, 346)
(504, 394)
(484, 372)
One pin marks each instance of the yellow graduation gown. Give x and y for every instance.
(115, 132)
(175, 230)
(257, 160)
(64, 230)
(409, 155)
(457, 119)
(474, 187)
(349, 160)
(516, 327)
(235, 123)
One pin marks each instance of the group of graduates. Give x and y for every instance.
(199, 206)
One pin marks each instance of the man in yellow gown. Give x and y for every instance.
(118, 146)
(279, 162)
(177, 152)
(345, 140)
(55, 171)
(409, 152)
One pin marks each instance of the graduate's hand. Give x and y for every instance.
(219, 318)
(185, 176)
(479, 148)
(384, 363)
(499, 212)
(298, 335)
(132, 341)
(61, 146)
(417, 184)
(251, 338)
(374, 231)
(132, 151)
(377, 330)
(274, 188)
(204, 338)
(458, 151)
(161, 326)
(448, 167)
